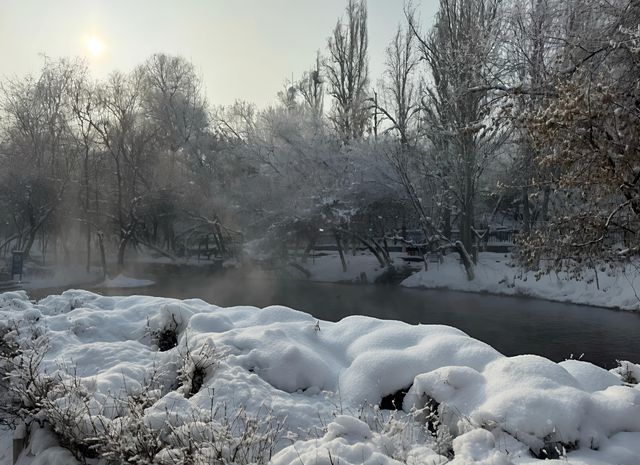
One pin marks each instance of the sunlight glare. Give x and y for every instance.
(95, 46)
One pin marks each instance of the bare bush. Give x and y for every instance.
(119, 428)
(196, 365)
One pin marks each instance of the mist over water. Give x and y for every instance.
(513, 325)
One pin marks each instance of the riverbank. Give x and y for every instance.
(309, 390)
(496, 274)
(136, 273)
(361, 268)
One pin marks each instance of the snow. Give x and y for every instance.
(349, 440)
(628, 371)
(43, 277)
(6, 450)
(591, 378)
(497, 274)
(477, 446)
(328, 268)
(323, 381)
(121, 281)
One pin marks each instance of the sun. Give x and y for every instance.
(94, 46)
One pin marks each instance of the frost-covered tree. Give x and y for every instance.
(399, 102)
(532, 47)
(38, 148)
(173, 102)
(173, 98)
(83, 101)
(312, 87)
(463, 58)
(347, 71)
(128, 138)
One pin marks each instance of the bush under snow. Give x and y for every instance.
(242, 384)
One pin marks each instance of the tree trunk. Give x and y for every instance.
(447, 223)
(121, 250)
(86, 208)
(466, 260)
(159, 250)
(384, 252)
(545, 204)
(367, 244)
(26, 250)
(33, 231)
(220, 239)
(103, 256)
(308, 250)
(340, 251)
(466, 227)
(526, 211)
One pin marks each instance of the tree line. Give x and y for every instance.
(525, 111)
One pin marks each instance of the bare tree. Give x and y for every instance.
(462, 53)
(127, 137)
(532, 47)
(347, 69)
(311, 87)
(39, 148)
(399, 103)
(88, 174)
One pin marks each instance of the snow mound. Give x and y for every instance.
(192, 363)
(350, 441)
(479, 447)
(592, 378)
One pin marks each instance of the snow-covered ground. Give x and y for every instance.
(77, 276)
(49, 276)
(363, 267)
(496, 274)
(121, 282)
(60, 276)
(185, 371)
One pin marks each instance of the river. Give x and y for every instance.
(513, 325)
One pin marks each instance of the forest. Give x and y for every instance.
(520, 115)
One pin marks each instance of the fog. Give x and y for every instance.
(476, 127)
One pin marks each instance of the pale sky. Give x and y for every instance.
(243, 49)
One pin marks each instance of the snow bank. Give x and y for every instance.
(122, 281)
(465, 401)
(496, 274)
(360, 267)
(42, 277)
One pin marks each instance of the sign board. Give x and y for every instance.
(16, 263)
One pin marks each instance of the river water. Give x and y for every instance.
(513, 325)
